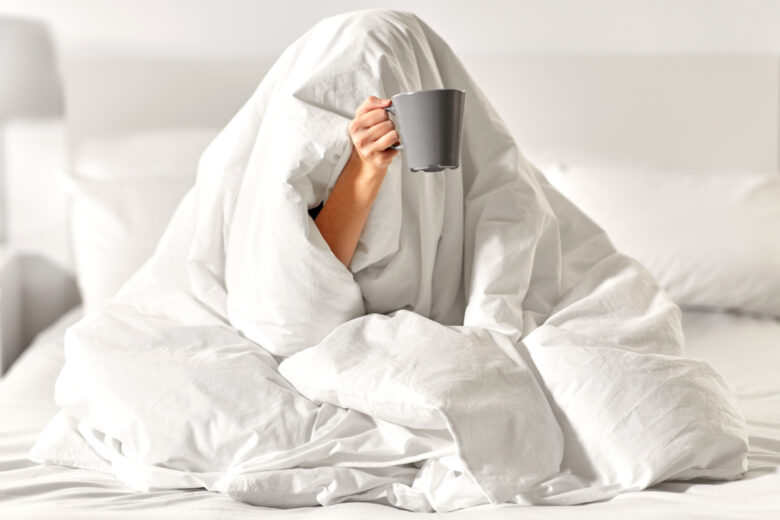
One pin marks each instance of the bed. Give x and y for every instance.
(677, 131)
(730, 342)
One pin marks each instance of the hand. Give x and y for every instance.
(372, 132)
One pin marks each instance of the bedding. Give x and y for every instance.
(723, 254)
(32, 491)
(487, 344)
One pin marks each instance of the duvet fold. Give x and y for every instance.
(487, 344)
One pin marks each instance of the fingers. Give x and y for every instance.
(372, 117)
(366, 139)
(371, 103)
(367, 121)
(379, 129)
(386, 140)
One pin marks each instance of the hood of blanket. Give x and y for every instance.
(430, 245)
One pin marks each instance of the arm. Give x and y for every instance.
(344, 213)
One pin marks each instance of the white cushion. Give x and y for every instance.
(124, 189)
(711, 239)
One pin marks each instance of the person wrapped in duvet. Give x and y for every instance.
(483, 342)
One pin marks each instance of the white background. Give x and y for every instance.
(242, 28)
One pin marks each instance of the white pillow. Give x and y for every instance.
(124, 189)
(711, 239)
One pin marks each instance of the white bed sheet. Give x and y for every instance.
(746, 350)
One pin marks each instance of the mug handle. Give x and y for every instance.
(394, 146)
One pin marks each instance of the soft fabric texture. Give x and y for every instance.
(712, 239)
(123, 191)
(487, 344)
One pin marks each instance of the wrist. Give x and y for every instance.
(363, 169)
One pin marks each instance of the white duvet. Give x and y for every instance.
(487, 344)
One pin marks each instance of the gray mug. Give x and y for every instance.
(430, 124)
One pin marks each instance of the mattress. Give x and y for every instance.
(744, 349)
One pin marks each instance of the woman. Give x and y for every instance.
(484, 323)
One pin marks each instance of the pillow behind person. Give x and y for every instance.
(123, 191)
(711, 239)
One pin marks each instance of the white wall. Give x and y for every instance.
(243, 28)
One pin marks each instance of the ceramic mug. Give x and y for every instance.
(430, 124)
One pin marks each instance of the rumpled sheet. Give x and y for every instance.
(487, 344)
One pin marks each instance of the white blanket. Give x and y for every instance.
(486, 345)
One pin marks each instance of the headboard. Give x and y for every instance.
(693, 112)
